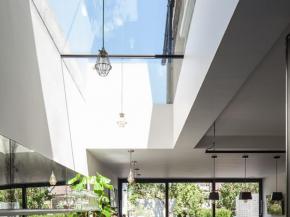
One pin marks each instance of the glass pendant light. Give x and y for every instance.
(122, 121)
(131, 176)
(52, 179)
(245, 195)
(103, 65)
(277, 196)
(214, 195)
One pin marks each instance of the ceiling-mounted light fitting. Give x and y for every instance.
(277, 196)
(245, 195)
(52, 179)
(103, 65)
(131, 176)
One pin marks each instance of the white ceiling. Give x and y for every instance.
(244, 89)
(194, 163)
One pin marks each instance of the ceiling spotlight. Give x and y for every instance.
(103, 65)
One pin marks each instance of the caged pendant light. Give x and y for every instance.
(245, 195)
(277, 196)
(103, 65)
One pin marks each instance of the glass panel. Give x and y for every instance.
(143, 199)
(189, 199)
(39, 198)
(11, 198)
(131, 26)
(139, 76)
(229, 204)
(20, 166)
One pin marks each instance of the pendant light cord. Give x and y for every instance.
(103, 24)
(130, 159)
(122, 87)
(276, 174)
(214, 167)
(245, 168)
(214, 136)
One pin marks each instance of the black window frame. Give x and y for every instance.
(213, 182)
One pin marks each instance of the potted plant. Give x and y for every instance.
(101, 186)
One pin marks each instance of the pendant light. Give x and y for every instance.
(277, 196)
(245, 195)
(214, 195)
(131, 176)
(103, 65)
(52, 179)
(122, 121)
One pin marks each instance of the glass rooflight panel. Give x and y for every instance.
(131, 26)
(137, 74)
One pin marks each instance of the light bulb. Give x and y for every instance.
(52, 179)
(131, 178)
(122, 121)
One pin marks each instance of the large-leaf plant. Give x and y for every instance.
(101, 185)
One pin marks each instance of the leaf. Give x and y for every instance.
(106, 212)
(74, 179)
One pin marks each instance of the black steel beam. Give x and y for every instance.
(126, 56)
(245, 151)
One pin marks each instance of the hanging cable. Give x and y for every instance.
(122, 86)
(103, 24)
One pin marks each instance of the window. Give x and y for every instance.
(11, 198)
(143, 199)
(189, 197)
(229, 203)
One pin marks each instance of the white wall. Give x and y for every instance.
(22, 111)
(53, 88)
(209, 23)
(161, 127)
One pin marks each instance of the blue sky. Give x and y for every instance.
(131, 27)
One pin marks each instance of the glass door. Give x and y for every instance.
(189, 199)
(143, 200)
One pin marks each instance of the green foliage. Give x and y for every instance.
(36, 198)
(11, 195)
(229, 192)
(205, 213)
(146, 191)
(223, 213)
(274, 207)
(188, 198)
(101, 185)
